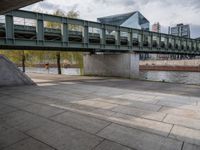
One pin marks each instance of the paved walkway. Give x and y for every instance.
(88, 113)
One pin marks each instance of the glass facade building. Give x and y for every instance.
(131, 20)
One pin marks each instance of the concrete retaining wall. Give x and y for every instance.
(10, 75)
(193, 63)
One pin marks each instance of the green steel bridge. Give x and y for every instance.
(81, 35)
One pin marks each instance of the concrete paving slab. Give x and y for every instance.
(151, 126)
(139, 133)
(178, 99)
(83, 122)
(179, 105)
(96, 104)
(182, 112)
(14, 102)
(6, 109)
(138, 97)
(43, 110)
(9, 136)
(185, 134)
(183, 121)
(108, 145)
(34, 98)
(140, 113)
(123, 119)
(138, 139)
(63, 137)
(29, 144)
(190, 147)
(132, 103)
(23, 121)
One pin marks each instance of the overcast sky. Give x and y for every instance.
(167, 12)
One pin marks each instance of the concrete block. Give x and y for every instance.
(63, 137)
(140, 113)
(185, 134)
(29, 144)
(118, 65)
(138, 139)
(183, 121)
(83, 122)
(108, 145)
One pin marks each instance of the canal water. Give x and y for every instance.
(164, 76)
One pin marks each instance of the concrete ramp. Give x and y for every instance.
(11, 75)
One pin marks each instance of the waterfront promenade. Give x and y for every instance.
(95, 113)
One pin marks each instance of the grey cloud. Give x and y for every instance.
(117, 2)
(47, 5)
(195, 31)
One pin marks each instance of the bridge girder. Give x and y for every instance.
(138, 41)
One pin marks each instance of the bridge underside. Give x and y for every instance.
(8, 5)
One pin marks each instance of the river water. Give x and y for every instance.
(164, 76)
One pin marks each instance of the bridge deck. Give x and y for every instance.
(81, 35)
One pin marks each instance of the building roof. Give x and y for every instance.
(116, 19)
(121, 18)
(8, 5)
(142, 19)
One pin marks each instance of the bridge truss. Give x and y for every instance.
(69, 34)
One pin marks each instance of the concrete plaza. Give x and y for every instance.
(93, 113)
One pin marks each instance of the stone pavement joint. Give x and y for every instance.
(95, 113)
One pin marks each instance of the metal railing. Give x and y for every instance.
(108, 37)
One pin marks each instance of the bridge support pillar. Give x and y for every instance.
(113, 65)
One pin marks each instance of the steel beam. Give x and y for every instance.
(84, 44)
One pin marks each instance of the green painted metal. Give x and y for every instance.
(108, 38)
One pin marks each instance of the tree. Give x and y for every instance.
(43, 57)
(70, 56)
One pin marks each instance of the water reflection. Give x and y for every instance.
(66, 71)
(172, 76)
(167, 76)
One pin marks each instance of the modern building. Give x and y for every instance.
(131, 20)
(156, 27)
(181, 30)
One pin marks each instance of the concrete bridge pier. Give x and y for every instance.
(124, 65)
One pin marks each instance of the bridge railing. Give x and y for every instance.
(125, 39)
